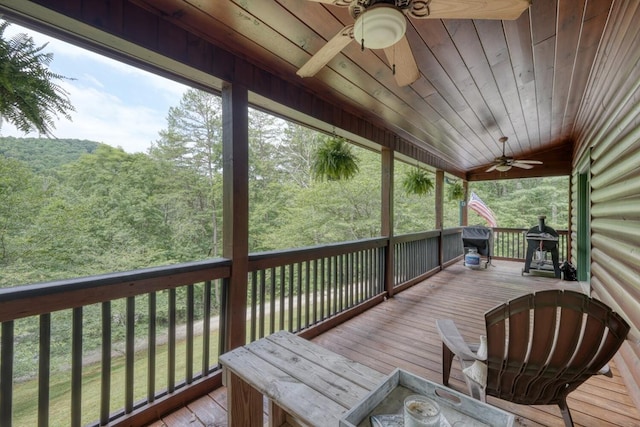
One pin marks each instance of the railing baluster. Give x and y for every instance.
(316, 278)
(290, 311)
(350, 280)
(6, 374)
(299, 296)
(337, 299)
(105, 370)
(224, 310)
(272, 314)
(44, 372)
(282, 295)
(254, 305)
(151, 346)
(263, 302)
(206, 327)
(171, 344)
(307, 293)
(76, 367)
(130, 354)
(189, 326)
(323, 288)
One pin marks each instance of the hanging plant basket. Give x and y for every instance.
(334, 161)
(455, 191)
(417, 181)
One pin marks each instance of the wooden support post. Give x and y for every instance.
(440, 214)
(439, 199)
(387, 216)
(463, 208)
(235, 141)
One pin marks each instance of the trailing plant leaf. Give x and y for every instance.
(455, 191)
(334, 161)
(417, 181)
(30, 98)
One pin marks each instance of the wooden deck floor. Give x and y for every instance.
(401, 333)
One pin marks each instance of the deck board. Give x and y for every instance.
(401, 333)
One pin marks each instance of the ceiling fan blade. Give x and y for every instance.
(476, 9)
(400, 56)
(492, 168)
(529, 162)
(327, 52)
(521, 165)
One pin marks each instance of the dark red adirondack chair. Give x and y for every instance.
(539, 348)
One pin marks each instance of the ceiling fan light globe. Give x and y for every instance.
(380, 27)
(503, 168)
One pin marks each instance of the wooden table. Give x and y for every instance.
(305, 383)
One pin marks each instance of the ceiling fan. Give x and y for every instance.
(381, 24)
(504, 162)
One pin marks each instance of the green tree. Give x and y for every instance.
(20, 197)
(30, 98)
(192, 144)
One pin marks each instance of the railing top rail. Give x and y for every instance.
(411, 237)
(522, 230)
(40, 298)
(262, 260)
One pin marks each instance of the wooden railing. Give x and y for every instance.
(420, 254)
(143, 340)
(294, 290)
(511, 243)
(134, 331)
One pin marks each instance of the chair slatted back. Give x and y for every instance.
(542, 346)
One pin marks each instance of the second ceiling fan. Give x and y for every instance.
(504, 162)
(382, 24)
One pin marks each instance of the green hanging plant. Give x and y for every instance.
(417, 181)
(455, 191)
(334, 160)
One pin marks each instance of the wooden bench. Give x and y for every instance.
(305, 383)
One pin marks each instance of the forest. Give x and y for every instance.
(72, 208)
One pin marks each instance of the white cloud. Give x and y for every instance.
(123, 117)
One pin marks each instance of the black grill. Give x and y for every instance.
(542, 240)
(480, 238)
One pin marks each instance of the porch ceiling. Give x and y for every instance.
(479, 79)
(526, 79)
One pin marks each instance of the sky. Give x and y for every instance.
(115, 103)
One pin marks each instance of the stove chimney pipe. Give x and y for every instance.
(541, 225)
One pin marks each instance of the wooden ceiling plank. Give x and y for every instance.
(567, 42)
(543, 20)
(518, 38)
(543, 35)
(494, 45)
(442, 64)
(590, 38)
(544, 54)
(465, 37)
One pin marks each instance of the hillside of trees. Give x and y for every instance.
(71, 208)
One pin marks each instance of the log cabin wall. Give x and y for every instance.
(610, 148)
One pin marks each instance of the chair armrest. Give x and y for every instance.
(453, 340)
